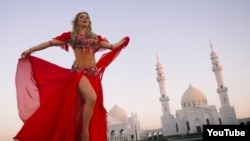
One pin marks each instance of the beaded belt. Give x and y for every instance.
(85, 70)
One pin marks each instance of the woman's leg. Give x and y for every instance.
(89, 97)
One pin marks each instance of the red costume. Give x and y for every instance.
(49, 103)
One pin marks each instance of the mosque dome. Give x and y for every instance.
(117, 112)
(193, 97)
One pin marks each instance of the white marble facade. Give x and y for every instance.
(121, 127)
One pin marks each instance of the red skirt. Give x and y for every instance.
(49, 103)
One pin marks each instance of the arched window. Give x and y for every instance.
(176, 126)
(207, 120)
(188, 126)
(220, 121)
(248, 122)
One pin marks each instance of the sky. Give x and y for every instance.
(178, 31)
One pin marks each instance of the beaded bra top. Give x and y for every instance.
(84, 42)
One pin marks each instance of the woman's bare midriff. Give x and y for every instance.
(84, 58)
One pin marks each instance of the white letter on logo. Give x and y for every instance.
(209, 132)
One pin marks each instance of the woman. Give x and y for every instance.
(60, 104)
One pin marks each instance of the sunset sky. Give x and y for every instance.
(179, 31)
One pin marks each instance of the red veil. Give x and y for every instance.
(49, 103)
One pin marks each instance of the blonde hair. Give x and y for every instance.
(74, 31)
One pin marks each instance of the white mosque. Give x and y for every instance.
(195, 110)
(190, 119)
(121, 127)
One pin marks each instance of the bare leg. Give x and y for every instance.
(89, 97)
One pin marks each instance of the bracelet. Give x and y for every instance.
(50, 43)
(30, 50)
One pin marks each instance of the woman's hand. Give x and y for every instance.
(26, 52)
(124, 40)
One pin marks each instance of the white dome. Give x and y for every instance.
(193, 97)
(117, 112)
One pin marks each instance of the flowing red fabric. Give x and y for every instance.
(49, 103)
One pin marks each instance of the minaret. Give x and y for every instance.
(167, 120)
(162, 81)
(217, 69)
(228, 113)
